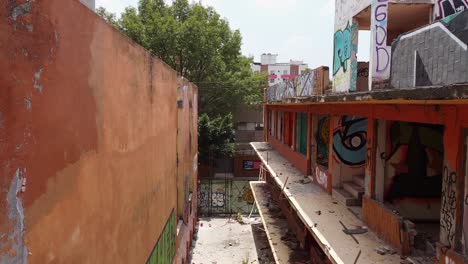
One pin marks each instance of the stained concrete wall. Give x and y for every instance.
(433, 55)
(187, 166)
(87, 139)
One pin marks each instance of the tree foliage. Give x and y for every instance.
(215, 137)
(196, 42)
(199, 44)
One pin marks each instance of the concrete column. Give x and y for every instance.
(380, 156)
(309, 143)
(452, 200)
(330, 155)
(379, 64)
(370, 159)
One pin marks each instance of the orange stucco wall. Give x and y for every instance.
(88, 125)
(187, 166)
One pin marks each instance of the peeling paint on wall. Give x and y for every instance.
(37, 77)
(15, 251)
(28, 103)
(20, 10)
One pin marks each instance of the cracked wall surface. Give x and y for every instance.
(87, 141)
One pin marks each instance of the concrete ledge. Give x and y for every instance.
(276, 227)
(320, 214)
(447, 93)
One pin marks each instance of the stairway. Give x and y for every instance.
(351, 193)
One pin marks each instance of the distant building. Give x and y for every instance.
(278, 72)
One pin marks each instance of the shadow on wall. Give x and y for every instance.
(415, 161)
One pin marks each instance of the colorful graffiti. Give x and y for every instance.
(381, 53)
(305, 84)
(350, 140)
(311, 83)
(225, 196)
(415, 161)
(164, 251)
(323, 139)
(342, 49)
(445, 8)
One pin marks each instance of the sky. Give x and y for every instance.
(293, 29)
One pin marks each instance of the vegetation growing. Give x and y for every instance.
(195, 41)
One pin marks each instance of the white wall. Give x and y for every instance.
(255, 67)
(345, 28)
(278, 70)
(267, 59)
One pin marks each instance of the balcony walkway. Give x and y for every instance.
(321, 214)
(284, 248)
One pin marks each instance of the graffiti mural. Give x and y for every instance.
(342, 49)
(381, 53)
(321, 177)
(449, 206)
(164, 251)
(445, 8)
(218, 199)
(323, 139)
(345, 58)
(452, 32)
(415, 160)
(350, 140)
(311, 83)
(204, 192)
(305, 84)
(225, 197)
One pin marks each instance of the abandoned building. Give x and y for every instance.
(92, 170)
(374, 168)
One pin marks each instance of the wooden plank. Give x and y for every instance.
(383, 222)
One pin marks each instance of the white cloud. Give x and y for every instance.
(116, 6)
(327, 9)
(296, 46)
(212, 3)
(276, 4)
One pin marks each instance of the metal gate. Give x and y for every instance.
(225, 197)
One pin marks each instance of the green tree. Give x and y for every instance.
(108, 16)
(215, 137)
(196, 42)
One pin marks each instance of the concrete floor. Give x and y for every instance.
(223, 240)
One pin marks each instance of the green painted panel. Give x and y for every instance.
(301, 133)
(164, 251)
